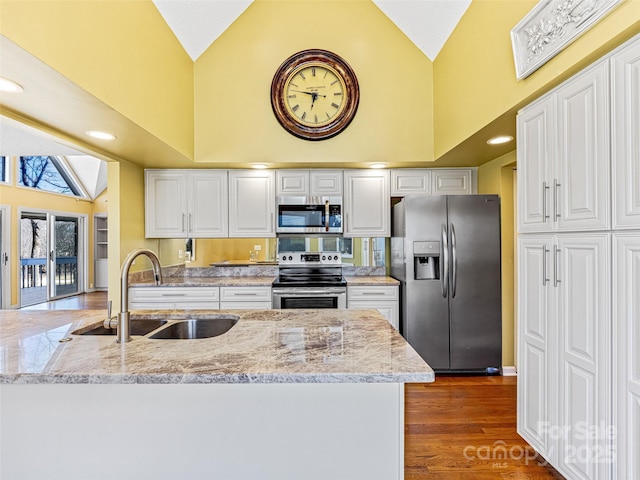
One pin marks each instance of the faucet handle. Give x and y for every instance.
(109, 321)
(109, 309)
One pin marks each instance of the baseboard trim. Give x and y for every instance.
(509, 372)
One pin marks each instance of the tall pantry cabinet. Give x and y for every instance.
(578, 187)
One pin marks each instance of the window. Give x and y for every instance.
(4, 167)
(49, 174)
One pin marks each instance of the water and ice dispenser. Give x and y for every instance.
(426, 260)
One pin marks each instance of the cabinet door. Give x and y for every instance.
(626, 321)
(207, 204)
(455, 181)
(325, 182)
(581, 192)
(367, 203)
(536, 334)
(582, 272)
(251, 203)
(410, 181)
(165, 204)
(292, 182)
(536, 132)
(625, 147)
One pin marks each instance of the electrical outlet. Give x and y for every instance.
(257, 248)
(180, 253)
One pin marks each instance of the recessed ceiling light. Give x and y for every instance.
(260, 166)
(499, 139)
(377, 165)
(9, 86)
(101, 135)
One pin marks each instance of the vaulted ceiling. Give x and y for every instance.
(198, 23)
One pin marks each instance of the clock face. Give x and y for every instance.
(314, 94)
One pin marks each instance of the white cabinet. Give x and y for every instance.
(410, 181)
(564, 349)
(433, 181)
(581, 192)
(563, 157)
(309, 182)
(535, 343)
(452, 181)
(251, 203)
(385, 299)
(253, 297)
(172, 298)
(625, 139)
(626, 321)
(367, 203)
(186, 203)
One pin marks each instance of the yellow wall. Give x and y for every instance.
(496, 177)
(233, 116)
(120, 51)
(28, 198)
(474, 73)
(126, 222)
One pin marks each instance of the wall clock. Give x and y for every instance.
(314, 94)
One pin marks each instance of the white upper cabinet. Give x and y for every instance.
(367, 203)
(292, 182)
(433, 181)
(625, 136)
(410, 181)
(536, 150)
(325, 183)
(185, 203)
(581, 194)
(563, 157)
(251, 203)
(453, 181)
(309, 182)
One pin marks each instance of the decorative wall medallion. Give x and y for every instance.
(550, 26)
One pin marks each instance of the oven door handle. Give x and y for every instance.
(304, 292)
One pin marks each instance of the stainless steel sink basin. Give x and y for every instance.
(140, 326)
(192, 328)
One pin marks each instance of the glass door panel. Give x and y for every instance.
(33, 258)
(64, 256)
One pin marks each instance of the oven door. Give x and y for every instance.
(309, 297)
(309, 215)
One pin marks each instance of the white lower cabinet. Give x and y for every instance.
(233, 298)
(564, 406)
(385, 299)
(174, 298)
(626, 321)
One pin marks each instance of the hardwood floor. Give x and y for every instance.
(464, 428)
(458, 428)
(85, 301)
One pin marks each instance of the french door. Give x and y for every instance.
(51, 256)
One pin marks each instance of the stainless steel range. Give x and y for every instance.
(309, 280)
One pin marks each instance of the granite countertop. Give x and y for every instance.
(371, 280)
(265, 346)
(192, 281)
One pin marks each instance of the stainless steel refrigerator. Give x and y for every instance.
(445, 251)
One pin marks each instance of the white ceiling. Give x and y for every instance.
(198, 23)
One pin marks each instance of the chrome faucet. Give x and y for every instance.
(124, 322)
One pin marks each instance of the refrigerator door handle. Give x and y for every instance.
(454, 262)
(444, 262)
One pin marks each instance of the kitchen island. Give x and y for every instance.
(284, 394)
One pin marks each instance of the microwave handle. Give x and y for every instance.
(326, 216)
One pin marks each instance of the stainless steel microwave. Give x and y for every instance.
(309, 215)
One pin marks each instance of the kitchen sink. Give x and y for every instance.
(140, 326)
(192, 328)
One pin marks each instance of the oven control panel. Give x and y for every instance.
(309, 258)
